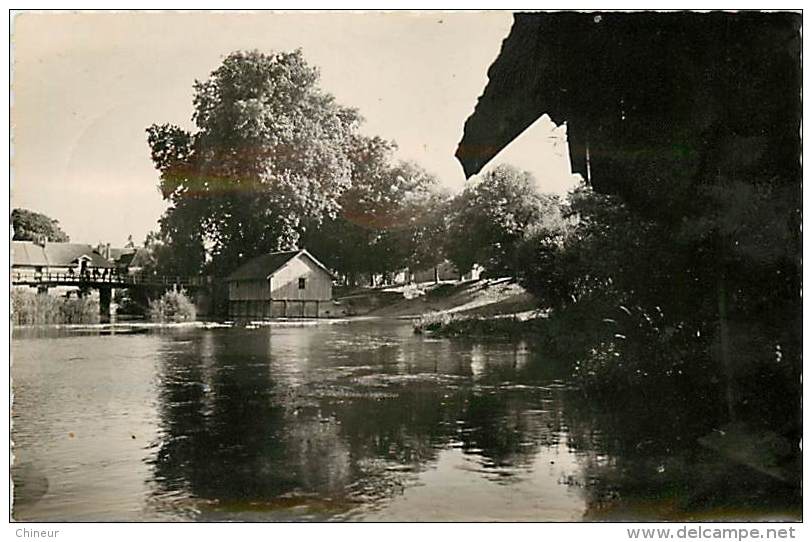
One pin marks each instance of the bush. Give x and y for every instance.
(30, 308)
(432, 322)
(452, 325)
(172, 307)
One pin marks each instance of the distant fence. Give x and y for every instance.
(97, 278)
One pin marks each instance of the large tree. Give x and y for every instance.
(269, 156)
(386, 217)
(430, 231)
(405, 232)
(490, 219)
(30, 225)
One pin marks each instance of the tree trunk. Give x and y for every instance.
(436, 275)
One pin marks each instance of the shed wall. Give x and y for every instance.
(245, 290)
(285, 282)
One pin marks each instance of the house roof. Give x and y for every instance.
(262, 267)
(130, 256)
(140, 258)
(27, 253)
(117, 253)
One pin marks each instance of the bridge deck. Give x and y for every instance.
(112, 280)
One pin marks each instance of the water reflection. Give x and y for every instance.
(325, 421)
(654, 463)
(358, 421)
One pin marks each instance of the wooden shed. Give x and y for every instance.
(291, 284)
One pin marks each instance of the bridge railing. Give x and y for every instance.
(100, 278)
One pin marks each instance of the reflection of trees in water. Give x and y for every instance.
(655, 439)
(220, 431)
(248, 421)
(642, 458)
(236, 433)
(232, 437)
(258, 424)
(504, 419)
(507, 427)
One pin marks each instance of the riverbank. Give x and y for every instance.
(494, 308)
(138, 325)
(515, 325)
(480, 298)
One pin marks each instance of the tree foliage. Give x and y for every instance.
(651, 293)
(687, 249)
(275, 163)
(30, 225)
(491, 219)
(389, 218)
(269, 155)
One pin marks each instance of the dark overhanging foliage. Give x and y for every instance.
(690, 121)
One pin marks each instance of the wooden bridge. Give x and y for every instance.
(102, 280)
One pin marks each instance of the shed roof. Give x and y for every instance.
(28, 253)
(265, 265)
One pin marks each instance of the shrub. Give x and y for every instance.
(173, 306)
(30, 308)
(453, 325)
(432, 322)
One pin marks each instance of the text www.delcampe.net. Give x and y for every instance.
(726, 533)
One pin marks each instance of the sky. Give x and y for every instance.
(85, 86)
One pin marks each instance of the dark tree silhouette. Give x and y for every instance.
(691, 120)
(30, 225)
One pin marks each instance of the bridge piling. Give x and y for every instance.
(105, 298)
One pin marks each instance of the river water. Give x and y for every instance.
(356, 421)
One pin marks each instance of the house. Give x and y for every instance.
(445, 271)
(129, 260)
(292, 284)
(38, 257)
(34, 260)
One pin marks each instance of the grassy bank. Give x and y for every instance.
(456, 325)
(32, 309)
(482, 298)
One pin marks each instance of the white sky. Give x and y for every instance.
(87, 85)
